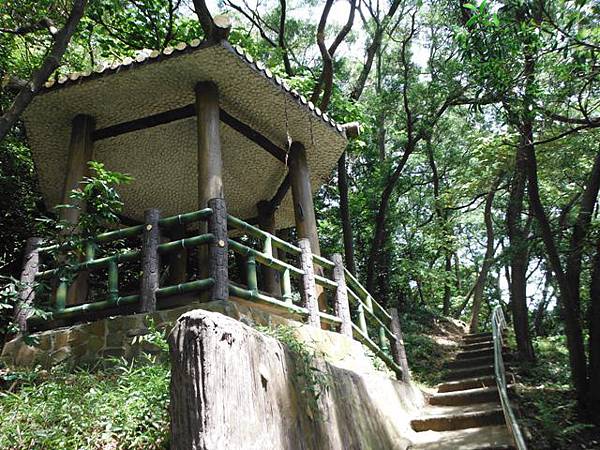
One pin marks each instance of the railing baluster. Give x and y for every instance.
(362, 322)
(286, 286)
(252, 279)
(61, 295)
(113, 281)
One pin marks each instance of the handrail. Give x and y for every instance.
(498, 324)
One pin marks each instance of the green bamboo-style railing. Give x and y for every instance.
(61, 310)
(370, 323)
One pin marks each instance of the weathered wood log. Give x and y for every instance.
(266, 222)
(342, 307)
(31, 261)
(218, 268)
(150, 261)
(397, 345)
(309, 293)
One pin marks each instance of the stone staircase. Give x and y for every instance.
(465, 413)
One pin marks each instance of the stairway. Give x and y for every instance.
(465, 413)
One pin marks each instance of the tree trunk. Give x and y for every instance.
(345, 214)
(487, 259)
(519, 256)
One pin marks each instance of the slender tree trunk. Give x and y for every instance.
(345, 214)
(519, 256)
(487, 259)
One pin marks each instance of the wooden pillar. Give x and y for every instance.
(31, 261)
(342, 307)
(304, 208)
(308, 283)
(218, 268)
(81, 151)
(210, 162)
(177, 260)
(397, 345)
(266, 222)
(150, 261)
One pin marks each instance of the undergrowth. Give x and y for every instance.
(547, 401)
(116, 405)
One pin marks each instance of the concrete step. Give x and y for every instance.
(477, 345)
(477, 335)
(467, 383)
(467, 363)
(469, 354)
(466, 397)
(471, 372)
(476, 340)
(480, 438)
(447, 418)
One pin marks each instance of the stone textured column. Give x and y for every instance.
(308, 283)
(397, 345)
(150, 261)
(31, 261)
(342, 307)
(218, 250)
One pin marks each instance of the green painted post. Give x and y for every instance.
(362, 322)
(286, 286)
(382, 340)
(61, 295)
(268, 247)
(113, 281)
(90, 251)
(251, 274)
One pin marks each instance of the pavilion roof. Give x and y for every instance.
(146, 126)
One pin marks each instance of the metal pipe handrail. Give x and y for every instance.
(498, 324)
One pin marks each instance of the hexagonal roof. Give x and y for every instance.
(162, 158)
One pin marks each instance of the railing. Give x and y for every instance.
(499, 324)
(61, 310)
(279, 274)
